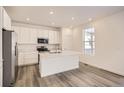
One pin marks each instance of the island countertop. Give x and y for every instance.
(53, 63)
(63, 53)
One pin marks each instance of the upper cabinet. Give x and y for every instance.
(42, 33)
(6, 20)
(54, 37)
(25, 35)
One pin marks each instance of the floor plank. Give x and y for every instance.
(85, 76)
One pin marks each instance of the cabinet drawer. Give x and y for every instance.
(30, 61)
(29, 55)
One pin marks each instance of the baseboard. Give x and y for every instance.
(28, 64)
(102, 69)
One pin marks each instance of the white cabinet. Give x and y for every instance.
(42, 33)
(57, 35)
(27, 54)
(54, 37)
(25, 35)
(6, 20)
(33, 36)
(20, 59)
(30, 58)
(51, 37)
(27, 58)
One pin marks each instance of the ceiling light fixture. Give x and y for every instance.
(72, 18)
(51, 12)
(90, 19)
(27, 19)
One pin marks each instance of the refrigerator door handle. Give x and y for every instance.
(15, 50)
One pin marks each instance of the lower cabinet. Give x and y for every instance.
(27, 58)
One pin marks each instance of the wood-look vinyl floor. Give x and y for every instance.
(85, 76)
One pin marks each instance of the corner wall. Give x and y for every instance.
(109, 52)
(67, 38)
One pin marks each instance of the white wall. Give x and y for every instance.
(77, 38)
(109, 53)
(67, 39)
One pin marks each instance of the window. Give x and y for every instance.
(89, 41)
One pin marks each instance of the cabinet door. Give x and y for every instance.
(45, 33)
(56, 37)
(42, 33)
(6, 20)
(25, 36)
(22, 35)
(32, 36)
(51, 37)
(20, 59)
(30, 58)
(39, 33)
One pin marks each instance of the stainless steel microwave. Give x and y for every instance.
(42, 40)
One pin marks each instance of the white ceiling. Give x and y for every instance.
(62, 14)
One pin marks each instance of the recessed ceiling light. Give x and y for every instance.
(90, 19)
(27, 19)
(51, 12)
(53, 23)
(72, 18)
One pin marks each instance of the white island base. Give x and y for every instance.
(50, 64)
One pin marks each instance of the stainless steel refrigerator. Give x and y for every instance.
(9, 58)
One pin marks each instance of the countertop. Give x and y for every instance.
(63, 53)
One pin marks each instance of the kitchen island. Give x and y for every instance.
(53, 63)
